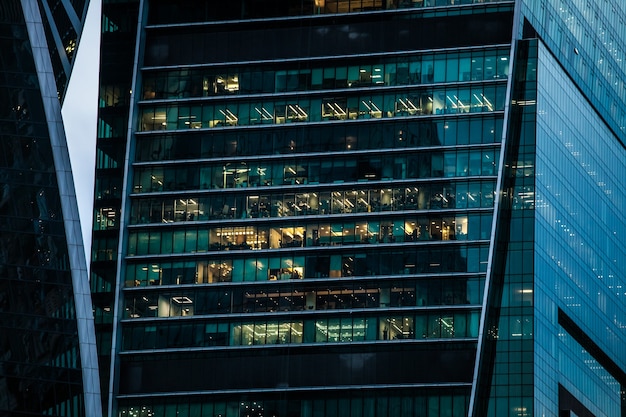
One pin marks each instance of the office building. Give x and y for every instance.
(48, 362)
(361, 207)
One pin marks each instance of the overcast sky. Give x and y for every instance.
(79, 115)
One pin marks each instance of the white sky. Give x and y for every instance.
(79, 115)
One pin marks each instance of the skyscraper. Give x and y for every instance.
(48, 362)
(364, 208)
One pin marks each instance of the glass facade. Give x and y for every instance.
(46, 332)
(332, 211)
(589, 41)
(505, 377)
(552, 337)
(364, 208)
(579, 262)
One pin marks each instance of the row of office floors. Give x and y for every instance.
(312, 270)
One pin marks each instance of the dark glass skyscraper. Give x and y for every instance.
(364, 208)
(48, 363)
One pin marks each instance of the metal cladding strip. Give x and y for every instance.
(67, 194)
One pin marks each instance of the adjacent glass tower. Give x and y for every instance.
(364, 208)
(48, 363)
